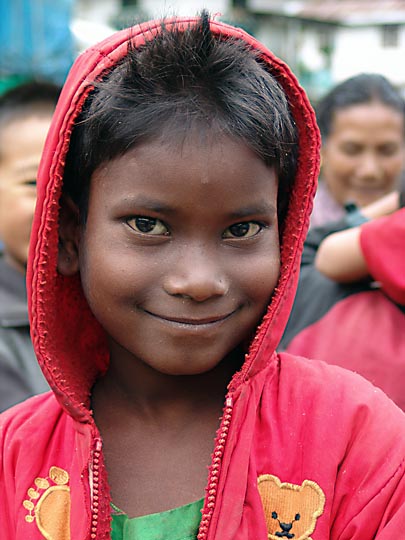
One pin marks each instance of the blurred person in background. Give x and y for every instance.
(350, 305)
(363, 145)
(25, 116)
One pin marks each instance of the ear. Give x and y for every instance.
(69, 237)
(313, 496)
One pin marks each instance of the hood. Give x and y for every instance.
(69, 343)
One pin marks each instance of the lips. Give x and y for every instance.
(191, 321)
(366, 189)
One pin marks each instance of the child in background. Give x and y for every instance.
(25, 115)
(174, 197)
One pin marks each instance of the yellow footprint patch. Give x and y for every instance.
(48, 505)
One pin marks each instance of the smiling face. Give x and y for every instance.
(364, 154)
(180, 252)
(21, 143)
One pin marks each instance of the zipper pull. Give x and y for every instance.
(98, 445)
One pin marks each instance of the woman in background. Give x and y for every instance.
(362, 123)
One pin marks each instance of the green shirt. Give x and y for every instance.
(178, 524)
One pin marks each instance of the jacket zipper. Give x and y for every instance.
(213, 477)
(215, 468)
(94, 474)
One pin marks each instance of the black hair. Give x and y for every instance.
(357, 90)
(180, 80)
(36, 95)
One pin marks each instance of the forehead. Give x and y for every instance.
(24, 134)
(372, 119)
(194, 172)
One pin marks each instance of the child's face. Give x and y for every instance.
(180, 252)
(21, 143)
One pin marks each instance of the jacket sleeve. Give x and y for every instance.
(354, 440)
(379, 477)
(33, 438)
(316, 236)
(389, 504)
(382, 242)
(369, 435)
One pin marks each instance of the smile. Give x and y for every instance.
(367, 188)
(190, 321)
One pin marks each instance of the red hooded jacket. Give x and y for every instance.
(299, 443)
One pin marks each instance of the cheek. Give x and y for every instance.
(394, 166)
(113, 275)
(337, 173)
(339, 165)
(261, 278)
(26, 210)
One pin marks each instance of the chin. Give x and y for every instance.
(188, 370)
(189, 366)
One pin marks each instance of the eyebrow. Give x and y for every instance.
(149, 203)
(254, 209)
(29, 168)
(158, 206)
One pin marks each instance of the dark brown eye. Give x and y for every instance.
(245, 229)
(389, 149)
(147, 225)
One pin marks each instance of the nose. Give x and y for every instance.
(197, 274)
(370, 168)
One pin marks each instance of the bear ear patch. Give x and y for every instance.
(290, 510)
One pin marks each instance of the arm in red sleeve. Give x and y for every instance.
(383, 244)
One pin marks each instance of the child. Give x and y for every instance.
(25, 115)
(182, 214)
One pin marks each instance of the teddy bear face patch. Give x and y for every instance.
(290, 510)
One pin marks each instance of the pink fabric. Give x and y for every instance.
(383, 244)
(295, 420)
(326, 209)
(346, 336)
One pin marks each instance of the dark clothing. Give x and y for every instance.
(358, 326)
(20, 375)
(316, 294)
